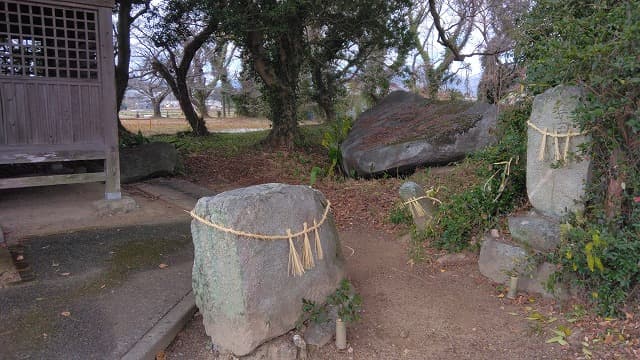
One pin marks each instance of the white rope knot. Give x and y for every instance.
(414, 202)
(297, 264)
(556, 146)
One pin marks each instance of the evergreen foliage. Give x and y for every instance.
(596, 44)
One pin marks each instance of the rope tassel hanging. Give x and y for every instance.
(307, 255)
(543, 145)
(295, 265)
(319, 251)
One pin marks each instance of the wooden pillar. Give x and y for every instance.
(109, 115)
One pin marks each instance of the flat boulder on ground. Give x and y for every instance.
(243, 285)
(147, 160)
(406, 130)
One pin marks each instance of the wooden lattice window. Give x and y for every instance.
(48, 41)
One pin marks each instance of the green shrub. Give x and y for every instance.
(595, 45)
(502, 168)
(347, 302)
(606, 264)
(400, 214)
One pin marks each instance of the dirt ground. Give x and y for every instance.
(421, 311)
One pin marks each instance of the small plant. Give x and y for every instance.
(561, 334)
(348, 302)
(332, 139)
(576, 314)
(345, 299)
(416, 245)
(313, 177)
(524, 266)
(133, 140)
(400, 214)
(312, 312)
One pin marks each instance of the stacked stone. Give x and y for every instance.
(555, 186)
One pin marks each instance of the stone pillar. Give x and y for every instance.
(555, 178)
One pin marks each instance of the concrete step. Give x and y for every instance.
(181, 193)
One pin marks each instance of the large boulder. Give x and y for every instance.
(243, 286)
(555, 184)
(405, 130)
(147, 160)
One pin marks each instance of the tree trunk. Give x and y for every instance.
(198, 126)
(284, 118)
(176, 78)
(328, 108)
(155, 103)
(123, 47)
(613, 202)
(200, 100)
(223, 99)
(325, 93)
(180, 89)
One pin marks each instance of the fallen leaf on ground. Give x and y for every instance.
(608, 339)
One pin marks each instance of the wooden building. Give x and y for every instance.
(57, 89)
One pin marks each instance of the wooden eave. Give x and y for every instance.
(92, 3)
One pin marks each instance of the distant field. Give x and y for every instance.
(173, 125)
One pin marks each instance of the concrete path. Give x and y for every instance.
(102, 293)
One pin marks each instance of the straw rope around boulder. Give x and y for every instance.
(556, 146)
(414, 202)
(297, 265)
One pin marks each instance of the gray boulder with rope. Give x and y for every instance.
(556, 177)
(259, 251)
(421, 205)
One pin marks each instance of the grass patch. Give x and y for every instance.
(400, 214)
(234, 144)
(226, 144)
